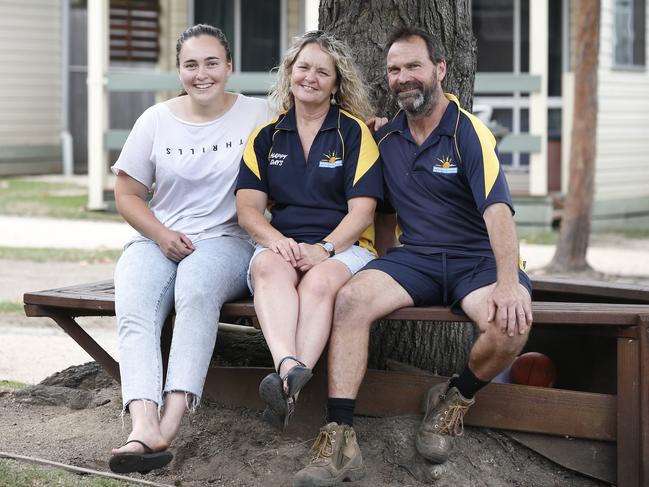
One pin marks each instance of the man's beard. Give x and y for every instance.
(422, 103)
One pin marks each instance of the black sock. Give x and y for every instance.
(467, 383)
(341, 410)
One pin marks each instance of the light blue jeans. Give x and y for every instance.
(148, 286)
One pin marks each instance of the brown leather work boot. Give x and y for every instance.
(444, 419)
(336, 458)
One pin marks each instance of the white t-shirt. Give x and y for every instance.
(194, 165)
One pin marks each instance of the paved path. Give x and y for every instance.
(614, 260)
(56, 233)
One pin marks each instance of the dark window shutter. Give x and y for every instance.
(134, 30)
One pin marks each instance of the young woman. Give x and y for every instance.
(190, 254)
(316, 168)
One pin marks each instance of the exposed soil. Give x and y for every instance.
(224, 446)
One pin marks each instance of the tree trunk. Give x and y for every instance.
(440, 347)
(365, 26)
(575, 223)
(242, 350)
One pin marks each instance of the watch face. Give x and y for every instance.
(329, 246)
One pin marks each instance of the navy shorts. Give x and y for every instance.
(439, 278)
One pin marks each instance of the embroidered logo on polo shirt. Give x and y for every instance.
(445, 166)
(331, 160)
(276, 159)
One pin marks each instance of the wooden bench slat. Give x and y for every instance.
(568, 289)
(100, 296)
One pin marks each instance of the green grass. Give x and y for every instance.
(58, 255)
(25, 197)
(547, 237)
(14, 474)
(10, 307)
(634, 232)
(550, 237)
(10, 385)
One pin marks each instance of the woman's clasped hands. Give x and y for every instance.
(302, 256)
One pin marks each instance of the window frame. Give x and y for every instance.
(237, 37)
(636, 24)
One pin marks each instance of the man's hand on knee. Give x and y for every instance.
(511, 307)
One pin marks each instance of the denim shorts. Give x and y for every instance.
(354, 258)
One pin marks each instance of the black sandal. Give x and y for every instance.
(281, 405)
(139, 462)
(297, 377)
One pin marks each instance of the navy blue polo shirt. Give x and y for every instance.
(308, 198)
(441, 189)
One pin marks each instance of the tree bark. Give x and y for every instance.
(242, 350)
(366, 25)
(439, 347)
(576, 220)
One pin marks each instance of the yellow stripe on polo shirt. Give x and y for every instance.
(249, 154)
(368, 153)
(366, 240)
(491, 167)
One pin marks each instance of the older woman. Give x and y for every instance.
(316, 169)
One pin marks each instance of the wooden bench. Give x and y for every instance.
(599, 310)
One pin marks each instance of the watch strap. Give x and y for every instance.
(328, 246)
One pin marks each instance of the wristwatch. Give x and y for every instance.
(328, 246)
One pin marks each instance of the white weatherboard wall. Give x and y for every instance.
(622, 165)
(30, 85)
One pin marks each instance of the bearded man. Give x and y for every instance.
(457, 247)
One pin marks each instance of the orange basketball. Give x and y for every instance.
(533, 369)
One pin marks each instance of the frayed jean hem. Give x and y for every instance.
(144, 402)
(191, 404)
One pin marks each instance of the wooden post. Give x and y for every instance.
(628, 413)
(97, 102)
(539, 100)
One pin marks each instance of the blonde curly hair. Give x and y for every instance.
(352, 94)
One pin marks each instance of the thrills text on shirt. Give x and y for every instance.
(201, 150)
(276, 159)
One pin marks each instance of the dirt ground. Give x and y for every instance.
(224, 446)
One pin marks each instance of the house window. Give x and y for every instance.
(630, 32)
(502, 30)
(134, 30)
(253, 28)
